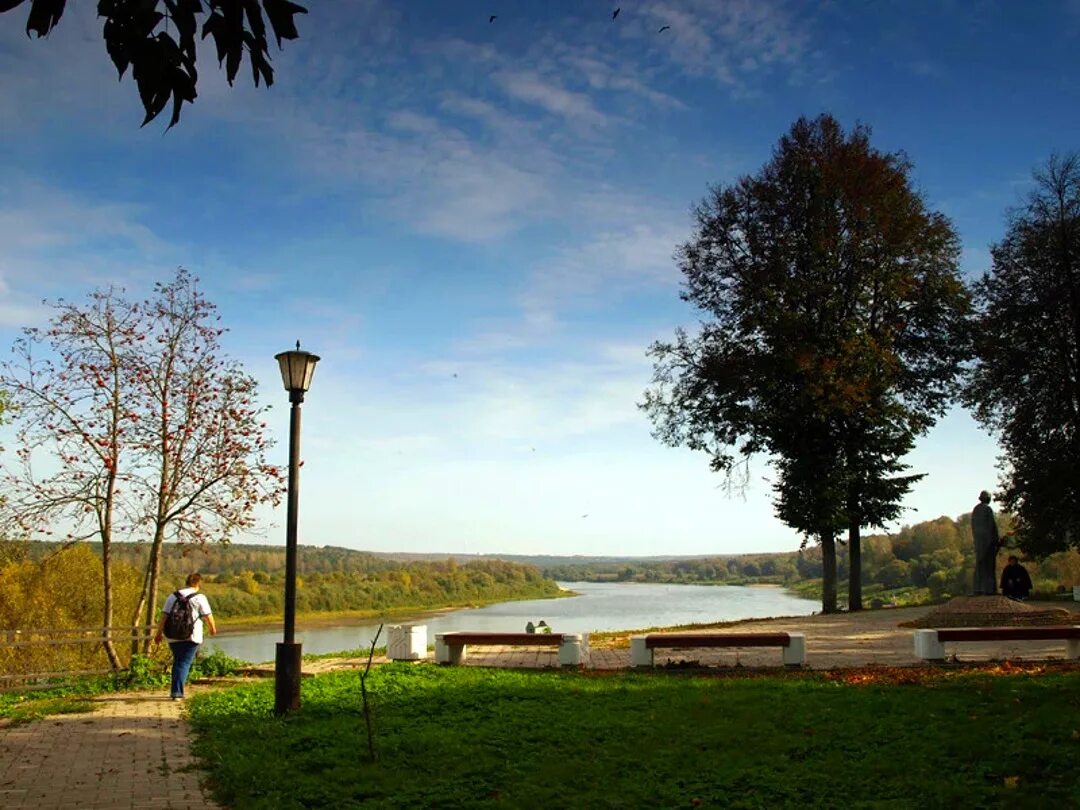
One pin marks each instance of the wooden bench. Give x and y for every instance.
(450, 647)
(793, 645)
(930, 644)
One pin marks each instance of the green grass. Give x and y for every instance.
(473, 737)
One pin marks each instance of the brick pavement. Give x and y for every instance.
(131, 752)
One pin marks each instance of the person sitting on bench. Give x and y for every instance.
(1015, 581)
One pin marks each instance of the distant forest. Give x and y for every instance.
(927, 561)
(247, 580)
(923, 562)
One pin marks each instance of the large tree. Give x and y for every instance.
(1025, 386)
(68, 389)
(157, 39)
(131, 423)
(199, 443)
(832, 333)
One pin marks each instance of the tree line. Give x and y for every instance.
(927, 561)
(835, 328)
(47, 585)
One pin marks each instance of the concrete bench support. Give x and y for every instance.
(642, 648)
(406, 642)
(451, 648)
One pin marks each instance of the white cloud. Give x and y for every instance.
(531, 88)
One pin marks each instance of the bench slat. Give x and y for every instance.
(690, 640)
(505, 639)
(1036, 633)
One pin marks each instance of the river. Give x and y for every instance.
(600, 606)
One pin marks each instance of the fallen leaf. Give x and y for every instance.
(1012, 781)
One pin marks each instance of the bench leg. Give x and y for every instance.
(1072, 648)
(448, 653)
(640, 655)
(927, 646)
(795, 652)
(570, 650)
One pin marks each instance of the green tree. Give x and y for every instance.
(833, 335)
(157, 39)
(1025, 387)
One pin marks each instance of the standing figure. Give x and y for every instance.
(181, 625)
(987, 543)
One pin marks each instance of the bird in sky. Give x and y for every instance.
(615, 13)
(493, 18)
(585, 515)
(663, 28)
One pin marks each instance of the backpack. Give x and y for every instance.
(180, 620)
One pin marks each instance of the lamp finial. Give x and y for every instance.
(298, 345)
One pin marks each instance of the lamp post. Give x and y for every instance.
(297, 368)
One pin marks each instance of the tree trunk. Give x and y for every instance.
(854, 568)
(828, 573)
(153, 573)
(148, 597)
(107, 613)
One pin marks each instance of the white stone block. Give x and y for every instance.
(407, 642)
(640, 655)
(571, 650)
(927, 646)
(795, 652)
(1076, 593)
(1072, 648)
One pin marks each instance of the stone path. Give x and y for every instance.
(131, 752)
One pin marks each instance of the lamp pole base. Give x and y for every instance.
(286, 678)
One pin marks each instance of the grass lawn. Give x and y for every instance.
(473, 737)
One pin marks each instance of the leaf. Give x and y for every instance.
(8, 5)
(281, 14)
(1012, 782)
(44, 15)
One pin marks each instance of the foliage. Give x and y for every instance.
(649, 740)
(62, 590)
(833, 332)
(140, 34)
(1026, 384)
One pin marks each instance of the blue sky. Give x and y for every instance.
(473, 225)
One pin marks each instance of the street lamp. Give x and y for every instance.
(297, 368)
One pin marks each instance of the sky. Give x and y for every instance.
(473, 224)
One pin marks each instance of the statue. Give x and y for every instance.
(987, 544)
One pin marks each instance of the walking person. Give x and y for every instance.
(181, 624)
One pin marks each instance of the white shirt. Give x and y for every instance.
(199, 603)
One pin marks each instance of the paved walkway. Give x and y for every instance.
(133, 750)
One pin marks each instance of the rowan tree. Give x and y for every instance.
(143, 426)
(70, 395)
(1025, 386)
(157, 40)
(832, 332)
(199, 441)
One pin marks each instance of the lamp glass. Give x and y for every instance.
(297, 369)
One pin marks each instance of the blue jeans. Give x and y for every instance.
(183, 656)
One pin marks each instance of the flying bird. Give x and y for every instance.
(615, 13)
(585, 515)
(493, 18)
(663, 28)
